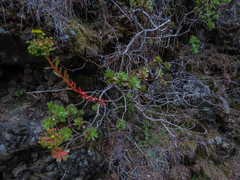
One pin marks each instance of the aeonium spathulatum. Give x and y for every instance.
(53, 138)
(42, 46)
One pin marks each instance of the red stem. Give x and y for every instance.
(79, 91)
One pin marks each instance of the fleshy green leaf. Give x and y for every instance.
(55, 72)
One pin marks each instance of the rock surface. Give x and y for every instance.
(21, 115)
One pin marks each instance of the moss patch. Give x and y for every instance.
(85, 40)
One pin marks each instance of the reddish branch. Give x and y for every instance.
(77, 90)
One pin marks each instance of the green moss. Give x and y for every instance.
(189, 123)
(235, 106)
(188, 149)
(85, 40)
(210, 171)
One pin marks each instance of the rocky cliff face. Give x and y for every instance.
(206, 145)
(21, 114)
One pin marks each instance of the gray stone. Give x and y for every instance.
(33, 141)
(78, 178)
(2, 31)
(196, 88)
(34, 178)
(208, 116)
(85, 162)
(98, 157)
(51, 174)
(37, 174)
(78, 159)
(218, 140)
(19, 169)
(225, 104)
(65, 38)
(34, 156)
(211, 141)
(26, 176)
(225, 145)
(49, 158)
(37, 130)
(83, 155)
(51, 166)
(20, 15)
(2, 148)
(90, 153)
(73, 32)
(80, 164)
(73, 155)
(15, 58)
